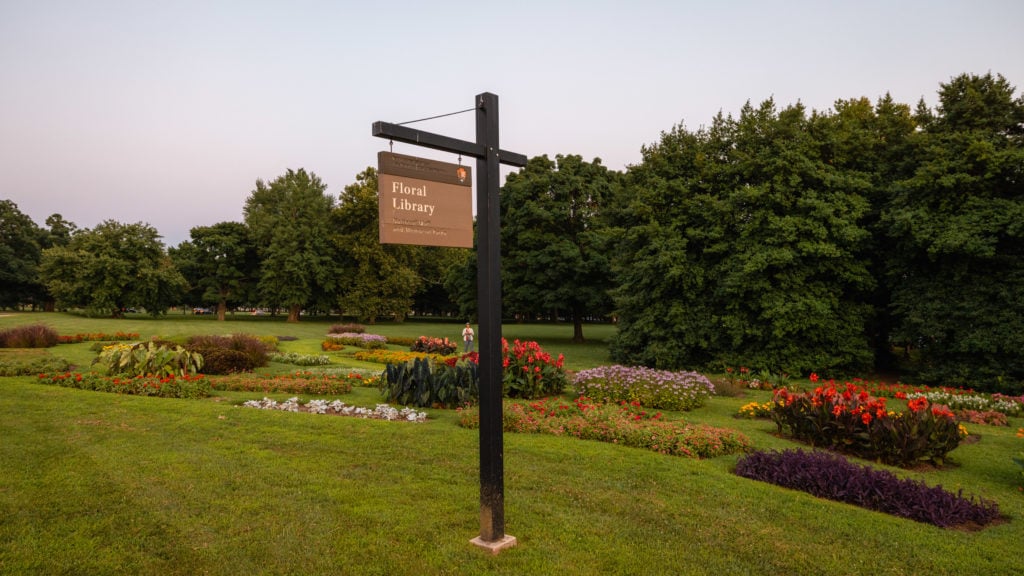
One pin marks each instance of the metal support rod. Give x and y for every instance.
(492, 484)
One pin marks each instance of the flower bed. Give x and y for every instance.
(442, 346)
(298, 383)
(97, 337)
(755, 410)
(360, 339)
(652, 388)
(394, 356)
(833, 477)
(168, 386)
(300, 359)
(380, 412)
(628, 424)
(849, 419)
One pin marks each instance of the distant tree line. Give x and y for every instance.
(865, 238)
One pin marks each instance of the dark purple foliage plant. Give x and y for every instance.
(831, 476)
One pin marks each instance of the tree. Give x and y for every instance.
(289, 219)
(112, 267)
(956, 230)
(220, 263)
(20, 253)
(743, 246)
(380, 279)
(552, 240)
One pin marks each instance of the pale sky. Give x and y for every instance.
(167, 112)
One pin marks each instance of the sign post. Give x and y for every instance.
(488, 156)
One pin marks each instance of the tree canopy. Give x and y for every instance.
(290, 221)
(553, 239)
(112, 267)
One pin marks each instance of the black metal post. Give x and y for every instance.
(492, 484)
(489, 156)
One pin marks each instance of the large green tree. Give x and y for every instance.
(112, 267)
(956, 228)
(290, 221)
(20, 252)
(741, 244)
(380, 279)
(220, 263)
(553, 241)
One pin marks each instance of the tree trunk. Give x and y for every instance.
(577, 325)
(293, 313)
(222, 307)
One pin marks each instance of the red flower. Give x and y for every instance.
(866, 418)
(813, 377)
(918, 404)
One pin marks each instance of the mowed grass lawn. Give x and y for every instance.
(94, 483)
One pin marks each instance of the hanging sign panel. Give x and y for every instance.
(424, 202)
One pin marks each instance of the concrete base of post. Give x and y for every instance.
(496, 546)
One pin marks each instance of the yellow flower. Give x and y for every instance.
(963, 430)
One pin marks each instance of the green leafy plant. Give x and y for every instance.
(423, 383)
(149, 358)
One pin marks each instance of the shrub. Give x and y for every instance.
(368, 341)
(29, 336)
(831, 476)
(423, 383)
(343, 328)
(852, 421)
(442, 346)
(149, 358)
(652, 388)
(230, 354)
(300, 359)
(529, 371)
(624, 423)
(168, 386)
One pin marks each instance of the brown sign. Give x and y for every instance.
(424, 202)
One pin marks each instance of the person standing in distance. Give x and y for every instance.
(467, 338)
